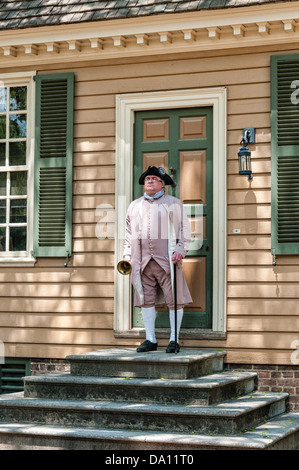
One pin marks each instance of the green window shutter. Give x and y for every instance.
(53, 165)
(285, 154)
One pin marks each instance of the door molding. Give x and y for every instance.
(126, 105)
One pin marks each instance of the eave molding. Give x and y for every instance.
(175, 33)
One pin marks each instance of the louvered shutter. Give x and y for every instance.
(285, 154)
(53, 165)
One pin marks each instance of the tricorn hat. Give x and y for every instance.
(154, 171)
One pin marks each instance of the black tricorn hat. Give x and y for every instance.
(154, 171)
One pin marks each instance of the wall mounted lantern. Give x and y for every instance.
(244, 154)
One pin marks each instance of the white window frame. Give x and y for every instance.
(126, 105)
(24, 79)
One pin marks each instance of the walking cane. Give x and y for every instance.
(175, 310)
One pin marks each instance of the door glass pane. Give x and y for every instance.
(18, 183)
(18, 209)
(2, 211)
(2, 127)
(18, 98)
(17, 153)
(2, 239)
(17, 239)
(2, 153)
(3, 94)
(2, 184)
(17, 126)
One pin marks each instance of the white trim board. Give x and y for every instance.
(126, 105)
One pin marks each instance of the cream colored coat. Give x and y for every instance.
(176, 226)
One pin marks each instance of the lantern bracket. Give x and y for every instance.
(249, 135)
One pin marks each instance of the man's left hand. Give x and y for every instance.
(176, 257)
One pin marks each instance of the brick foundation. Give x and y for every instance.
(45, 366)
(275, 378)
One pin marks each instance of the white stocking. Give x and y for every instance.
(149, 320)
(180, 313)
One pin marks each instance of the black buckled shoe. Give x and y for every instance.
(147, 346)
(173, 347)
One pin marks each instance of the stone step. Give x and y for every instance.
(122, 362)
(279, 433)
(226, 417)
(195, 391)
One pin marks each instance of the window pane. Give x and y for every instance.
(3, 94)
(17, 153)
(2, 127)
(18, 183)
(18, 210)
(17, 239)
(18, 98)
(2, 184)
(2, 239)
(2, 154)
(2, 211)
(17, 125)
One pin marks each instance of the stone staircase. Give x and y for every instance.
(117, 399)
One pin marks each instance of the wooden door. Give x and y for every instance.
(180, 140)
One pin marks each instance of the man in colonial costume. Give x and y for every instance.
(157, 237)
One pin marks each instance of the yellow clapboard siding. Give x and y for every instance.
(34, 275)
(256, 120)
(91, 201)
(93, 187)
(94, 144)
(99, 115)
(177, 64)
(265, 307)
(94, 158)
(57, 305)
(97, 101)
(258, 356)
(82, 217)
(92, 259)
(58, 336)
(275, 274)
(94, 173)
(206, 79)
(58, 351)
(249, 227)
(252, 105)
(259, 196)
(261, 323)
(59, 320)
(57, 290)
(264, 290)
(249, 211)
(251, 341)
(248, 242)
(93, 245)
(259, 181)
(249, 257)
(94, 129)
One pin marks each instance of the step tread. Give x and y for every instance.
(185, 356)
(205, 382)
(261, 437)
(229, 409)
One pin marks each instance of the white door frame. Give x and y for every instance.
(126, 105)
